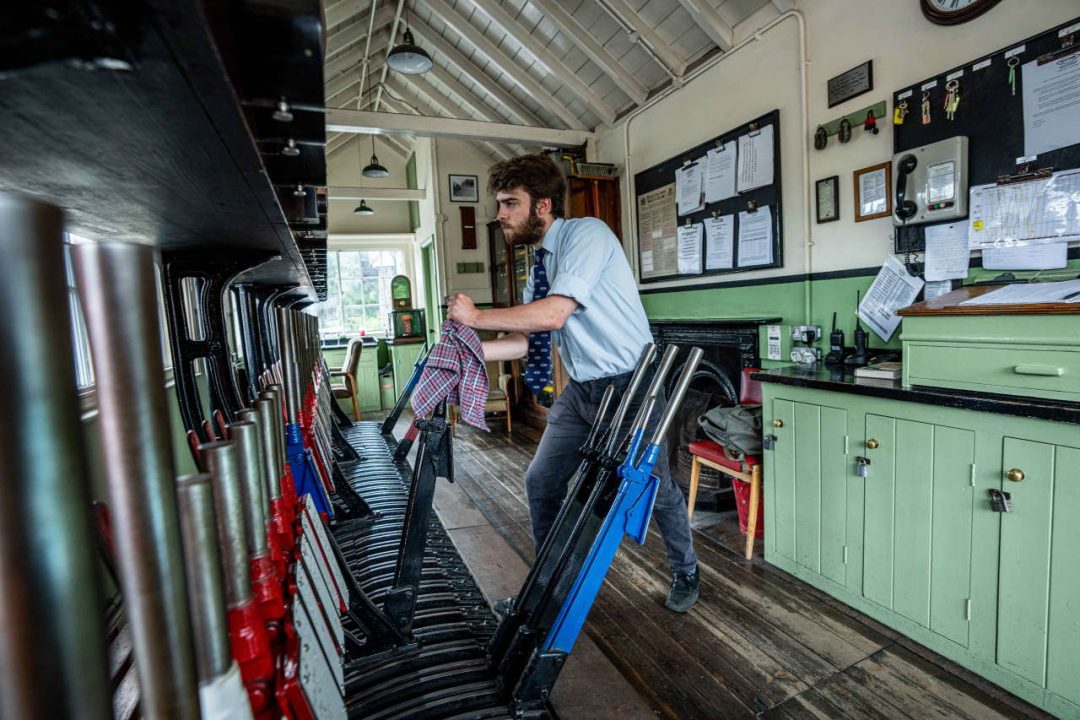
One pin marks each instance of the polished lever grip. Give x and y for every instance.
(666, 364)
(647, 354)
(677, 396)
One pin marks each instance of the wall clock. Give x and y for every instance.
(953, 12)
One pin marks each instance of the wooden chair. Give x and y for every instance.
(350, 388)
(711, 455)
(499, 394)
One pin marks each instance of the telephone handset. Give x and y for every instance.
(905, 208)
(931, 182)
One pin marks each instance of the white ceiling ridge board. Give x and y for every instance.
(623, 78)
(718, 30)
(359, 121)
(435, 103)
(342, 192)
(505, 22)
(656, 46)
(446, 51)
(507, 65)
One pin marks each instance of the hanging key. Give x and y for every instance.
(862, 466)
(899, 113)
(926, 108)
(1000, 501)
(952, 98)
(1013, 62)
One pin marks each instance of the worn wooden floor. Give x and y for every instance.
(759, 643)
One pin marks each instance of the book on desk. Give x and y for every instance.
(880, 371)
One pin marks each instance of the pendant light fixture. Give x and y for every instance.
(374, 169)
(362, 208)
(408, 57)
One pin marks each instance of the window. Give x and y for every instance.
(80, 341)
(358, 291)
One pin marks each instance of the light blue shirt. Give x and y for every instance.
(604, 336)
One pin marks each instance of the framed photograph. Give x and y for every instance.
(854, 82)
(463, 188)
(828, 199)
(873, 192)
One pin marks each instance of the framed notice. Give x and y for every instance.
(828, 199)
(873, 192)
(658, 232)
(854, 82)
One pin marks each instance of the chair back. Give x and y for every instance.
(749, 389)
(352, 357)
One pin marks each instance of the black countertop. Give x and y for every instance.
(823, 378)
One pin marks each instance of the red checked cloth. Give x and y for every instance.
(455, 372)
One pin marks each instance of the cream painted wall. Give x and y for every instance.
(764, 74)
(343, 169)
(461, 158)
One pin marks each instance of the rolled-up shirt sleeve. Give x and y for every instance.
(582, 258)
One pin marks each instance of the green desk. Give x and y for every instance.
(367, 377)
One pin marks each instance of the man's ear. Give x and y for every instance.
(543, 206)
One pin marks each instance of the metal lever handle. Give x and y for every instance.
(624, 405)
(666, 363)
(601, 413)
(677, 397)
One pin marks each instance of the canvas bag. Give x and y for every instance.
(737, 429)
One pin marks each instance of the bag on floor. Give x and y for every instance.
(736, 429)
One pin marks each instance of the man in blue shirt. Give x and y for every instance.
(581, 295)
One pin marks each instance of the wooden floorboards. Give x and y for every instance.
(759, 643)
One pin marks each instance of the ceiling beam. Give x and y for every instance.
(343, 89)
(506, 64)
(341, 40)
(342, 11)
(432, 103)
(622, 77)
(359, 121)
(349, 60)
(396, 145)
(706, 17)
(507, 104)
(506, 22)
(468, 100)
(340, 192)
(784, 5)
(642, 32)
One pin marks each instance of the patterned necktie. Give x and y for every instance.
(538, 362)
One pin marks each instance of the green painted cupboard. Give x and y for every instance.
(915, 543)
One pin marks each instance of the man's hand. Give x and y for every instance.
(462, 309)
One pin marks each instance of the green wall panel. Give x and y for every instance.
(1063, 655)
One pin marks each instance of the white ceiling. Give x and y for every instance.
(565, 64)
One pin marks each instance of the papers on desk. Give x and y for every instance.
(690, 249)
(720, 242)
(1051, 104)
(1067, 291)
(756, 236)
(947, 252)
(892, 289)
(689, 184)
(755, 166)
(720, 173)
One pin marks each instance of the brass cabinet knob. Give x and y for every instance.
(872, 444)
(778, 423)
(1015, 475)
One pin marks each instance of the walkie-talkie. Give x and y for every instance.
(836, 345)
(859, 357)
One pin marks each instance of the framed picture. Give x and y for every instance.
(828, 199)
(854, 82)
(463, 189)
(873, 192)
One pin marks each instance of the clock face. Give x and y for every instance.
(952, 12)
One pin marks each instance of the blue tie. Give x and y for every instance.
(538, 362)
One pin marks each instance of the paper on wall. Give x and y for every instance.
(720, 173)
(1051, 104)
(1048, 256)
(947, 252)
(755, 161)
(756, 237)
(690, 249)
(892, 289)
(688, 188)
(936, 288)
(719, 242)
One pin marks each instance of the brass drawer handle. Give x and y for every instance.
(1045, 370)
(1015, 475)
(872, 444)
(778, 423)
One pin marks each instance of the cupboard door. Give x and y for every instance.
(1063, 653)
(878, 512)
(781, 466)
(1024, 567)
(953, 514)
(821, 490)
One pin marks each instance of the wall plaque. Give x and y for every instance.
(852, 83)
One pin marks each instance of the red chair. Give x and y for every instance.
(711, 455)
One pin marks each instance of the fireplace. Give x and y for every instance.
(729, 345)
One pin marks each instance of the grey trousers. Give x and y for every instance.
(557, 458)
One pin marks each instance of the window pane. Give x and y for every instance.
(349, 264)
(358, 290)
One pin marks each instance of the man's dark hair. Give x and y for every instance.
(536, 174)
